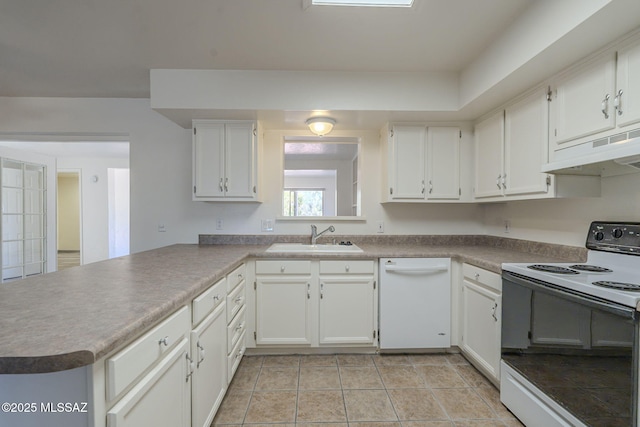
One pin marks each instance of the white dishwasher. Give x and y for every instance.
(415, 303)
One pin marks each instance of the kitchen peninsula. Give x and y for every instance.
(77, 318)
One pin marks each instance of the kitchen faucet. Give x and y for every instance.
(315, 234)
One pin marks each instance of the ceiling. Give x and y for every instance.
(97, 48)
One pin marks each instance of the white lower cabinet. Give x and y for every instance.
(315, 303)
(283, 295)
(161, 398)
(209, 379)
(481, 319)
(347, 302)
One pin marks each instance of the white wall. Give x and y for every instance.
(160, 162)
(160, 156)
(95, 203)
(566, 221)
(119, 212)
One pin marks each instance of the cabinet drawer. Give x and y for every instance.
(347, 267)
(283, 267)
(485, 277)
(236, 277)
(236, 329)
(234, 358)
(133, 361)
(207, 301)
(235, 301)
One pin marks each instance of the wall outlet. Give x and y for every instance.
(162, 228)
(266, 225)
(219, 224)
(380, 226)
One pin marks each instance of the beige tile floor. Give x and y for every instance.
(430, 390)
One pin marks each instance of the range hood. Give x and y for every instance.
(613, 155)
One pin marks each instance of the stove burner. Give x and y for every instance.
(552, 269)
(591, 268)
(618, 285)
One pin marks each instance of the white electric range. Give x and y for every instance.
(570, 334)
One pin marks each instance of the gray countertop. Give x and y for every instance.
(73, 317)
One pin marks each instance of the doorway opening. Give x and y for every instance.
(69, 219)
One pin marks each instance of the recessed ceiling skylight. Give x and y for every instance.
(369, 3)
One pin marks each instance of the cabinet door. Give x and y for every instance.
(347, 310)
(627, 100)
(283, 310)
(407, 159)
(584, 102)
(481, 326)
(443, 154)
(209, 353)
(526, 145)
(161, 398)
(240, 167)
(208, 160)
(489, 146)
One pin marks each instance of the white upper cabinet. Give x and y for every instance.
(423, 164)
(224, 161)
(597, 99)
(583, 102)
(512, 145)
(526, 145)
(407, 167)
(443, 156)
(489, 151)
(627, 99)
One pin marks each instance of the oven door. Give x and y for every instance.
(577, 352)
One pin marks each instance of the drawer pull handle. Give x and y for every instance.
(240, 326)
(164, 341)
(238, 300)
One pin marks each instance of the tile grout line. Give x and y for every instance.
(253, 389)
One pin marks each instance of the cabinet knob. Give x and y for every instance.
(477, 276)
(164, 341)
(346, 268)
(282, 269)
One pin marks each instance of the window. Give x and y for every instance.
(303, 202)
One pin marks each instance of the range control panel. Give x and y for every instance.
(621, 237)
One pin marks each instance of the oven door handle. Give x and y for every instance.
(590, 301)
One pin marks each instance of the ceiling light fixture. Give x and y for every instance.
(320, 125)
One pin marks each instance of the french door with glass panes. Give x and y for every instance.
(23, 219)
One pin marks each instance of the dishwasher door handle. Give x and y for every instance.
(399, 269)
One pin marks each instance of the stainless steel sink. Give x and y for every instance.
(318, 248)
